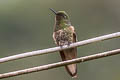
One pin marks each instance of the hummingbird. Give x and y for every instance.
(64, 34)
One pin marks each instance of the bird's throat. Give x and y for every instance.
(62, 24)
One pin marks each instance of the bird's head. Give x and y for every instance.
(60, 15)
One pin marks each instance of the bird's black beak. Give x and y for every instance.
(53, 11)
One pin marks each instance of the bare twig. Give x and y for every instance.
(58, 64)
(50, 50)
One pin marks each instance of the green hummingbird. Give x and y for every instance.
(64, 34)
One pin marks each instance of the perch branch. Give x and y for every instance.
(54, 49)
(59, 64)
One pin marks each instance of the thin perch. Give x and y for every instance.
(59, 64)
(54, 49)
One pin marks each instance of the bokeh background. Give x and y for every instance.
(27, 25)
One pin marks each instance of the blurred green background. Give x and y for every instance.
(27, 25)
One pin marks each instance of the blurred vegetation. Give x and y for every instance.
(27, 25)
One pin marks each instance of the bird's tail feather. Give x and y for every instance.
(68, 55)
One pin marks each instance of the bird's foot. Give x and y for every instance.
(68, 43)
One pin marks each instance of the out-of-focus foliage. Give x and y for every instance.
(27, 25)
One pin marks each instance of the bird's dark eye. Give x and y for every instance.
(60, 14)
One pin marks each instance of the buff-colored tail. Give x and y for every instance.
(68, 55)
